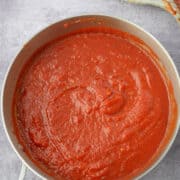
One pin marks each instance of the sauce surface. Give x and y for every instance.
(92, 105)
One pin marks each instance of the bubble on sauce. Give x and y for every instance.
(75, 120)
(100, 58)
(106, 130)
(98, 70)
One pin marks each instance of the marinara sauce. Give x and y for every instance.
(94, 104)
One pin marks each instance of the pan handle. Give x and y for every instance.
(22, 172)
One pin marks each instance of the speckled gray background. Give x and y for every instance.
(21, 19)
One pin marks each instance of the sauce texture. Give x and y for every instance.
(92, 105)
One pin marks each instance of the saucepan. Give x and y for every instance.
(59, 29)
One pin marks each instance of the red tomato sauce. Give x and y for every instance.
(93, 105)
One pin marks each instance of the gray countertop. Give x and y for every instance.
(21, 19)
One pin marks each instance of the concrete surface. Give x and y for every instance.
(21, 19)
